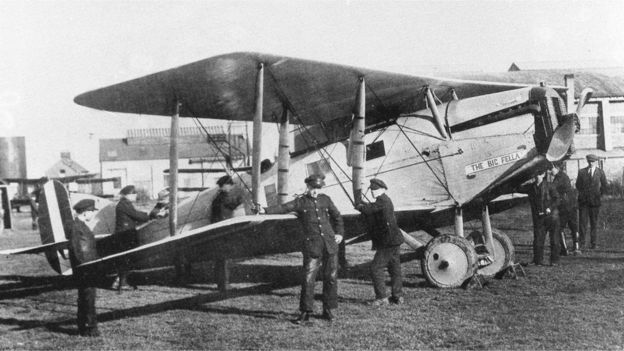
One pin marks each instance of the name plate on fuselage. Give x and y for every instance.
(494, 162)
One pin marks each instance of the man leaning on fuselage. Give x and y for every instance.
(322, 232)
(387, 239)
(127, 218)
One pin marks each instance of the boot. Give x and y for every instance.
(577, 247)
(564, 245)
(304, 318)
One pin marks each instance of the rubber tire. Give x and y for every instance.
(502, 245)
(430, 263)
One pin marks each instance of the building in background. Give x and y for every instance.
(142, 158)
(65, 167)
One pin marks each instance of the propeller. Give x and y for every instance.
(564, 134)
(586, 94)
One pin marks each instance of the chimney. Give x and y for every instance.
(66, 155)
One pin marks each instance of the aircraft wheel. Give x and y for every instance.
(503, 254)
(448, 261)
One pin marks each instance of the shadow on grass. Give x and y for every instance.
(268, 278)
(23, 286)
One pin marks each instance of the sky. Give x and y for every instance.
(51, 51)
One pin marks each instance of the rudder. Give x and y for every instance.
(55, 221)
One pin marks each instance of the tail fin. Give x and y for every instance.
(55, 222)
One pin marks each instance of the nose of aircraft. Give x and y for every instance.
(564, 134)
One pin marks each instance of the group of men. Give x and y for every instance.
(83, 248)
(322, 233)
(555, 205)
(323, 230)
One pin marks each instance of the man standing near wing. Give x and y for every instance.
(387, 239)
(127, 218)
(322, 231)
(82, 249)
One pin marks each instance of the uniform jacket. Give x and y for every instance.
(590, 187)
(127, 217)
(384, 230)
(320, 219)
(82, 244)
(543, 196)
(567, 194)
(224, 204)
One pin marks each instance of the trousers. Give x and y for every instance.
(588, 213)
(546, 225)
(87, 317)
(387, 258)
(311, 267)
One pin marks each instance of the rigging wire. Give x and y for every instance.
(387, 153)
(211, 139)
(427, 163)
(315, 142)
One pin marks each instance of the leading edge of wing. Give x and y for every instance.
(173, 243)
(223, 87)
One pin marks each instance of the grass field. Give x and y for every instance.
(577, 305)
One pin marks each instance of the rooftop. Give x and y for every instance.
(606, 83)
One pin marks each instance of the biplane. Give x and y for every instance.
(451, 150)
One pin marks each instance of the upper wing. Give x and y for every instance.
(223, 87)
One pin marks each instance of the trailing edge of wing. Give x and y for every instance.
(185, 241)
(60, 245)
(222, 87)
(36, 249)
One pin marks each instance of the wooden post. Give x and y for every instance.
(283, 158)
(173, 170)
(358, 149)
(257, 136)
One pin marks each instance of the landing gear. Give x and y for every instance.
(449, 261)
(502, 256)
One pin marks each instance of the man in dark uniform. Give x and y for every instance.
(126, 220)
(544, 201)
(161, 209)
(322, 231)
(222, 208)
(226, 201)
(568, 209)
(82, 249)
(387, 239)
(590, 183)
